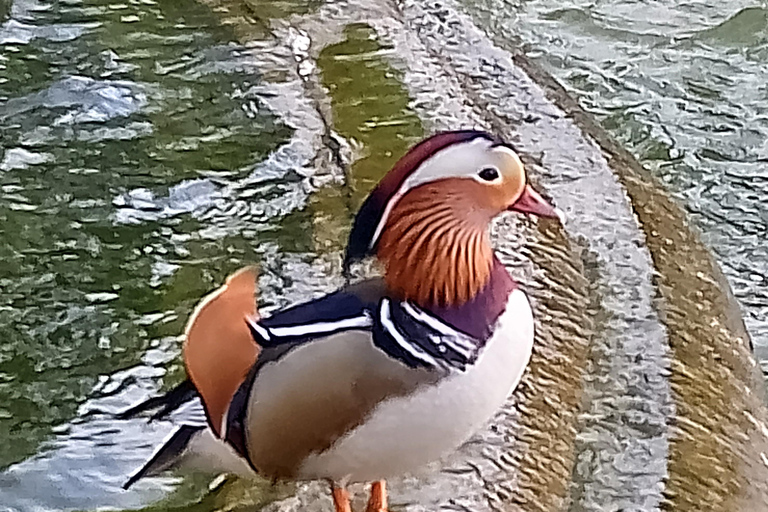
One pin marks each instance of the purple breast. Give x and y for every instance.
(478, 316)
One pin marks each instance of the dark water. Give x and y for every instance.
(151, 147)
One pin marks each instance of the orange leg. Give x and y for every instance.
(340, 498)
(378, 500)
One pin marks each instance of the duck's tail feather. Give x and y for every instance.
(168, 454)
(193, 447)
(164, 404)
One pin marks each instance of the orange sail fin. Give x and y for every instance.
(219, 349)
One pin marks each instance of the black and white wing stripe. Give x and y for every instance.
(333, 313)
(421, 340)
(275, 336)
(403, 330)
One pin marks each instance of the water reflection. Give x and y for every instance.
(370, 107)
(139, 169)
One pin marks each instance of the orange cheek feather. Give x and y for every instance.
(435, 248)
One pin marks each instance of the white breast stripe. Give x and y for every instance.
(387, 323)
(453, 338)
(358, 322)
(399, 436)
(264, 333)
(458, 348)
(425, 318)
(459, 341)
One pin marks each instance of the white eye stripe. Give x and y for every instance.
(461, 160)
(508, 151)
(515, 157)
(458, 160)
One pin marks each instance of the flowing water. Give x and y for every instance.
(150, 147)
(684, 85)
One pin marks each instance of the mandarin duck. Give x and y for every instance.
(384, 375)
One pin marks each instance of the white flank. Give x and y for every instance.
(405, 433)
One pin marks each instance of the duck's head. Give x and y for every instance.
(427, 220)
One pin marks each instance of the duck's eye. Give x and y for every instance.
(489, 173)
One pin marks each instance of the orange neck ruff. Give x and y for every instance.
(435, 246)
